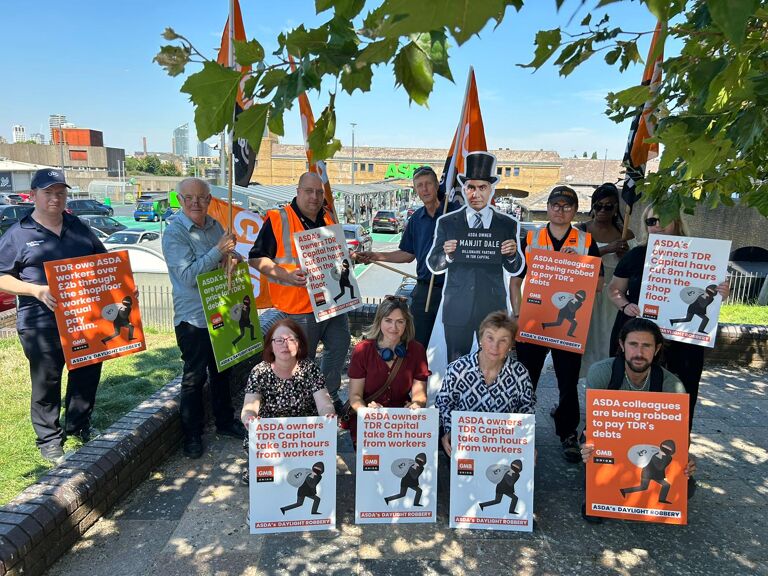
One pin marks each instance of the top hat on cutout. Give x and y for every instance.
(479, 166)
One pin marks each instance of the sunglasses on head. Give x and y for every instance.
(651, 221)
(423, 170)
(603, 207)
(392, 298)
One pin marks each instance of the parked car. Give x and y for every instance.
(152, 209)
(106, 224)
(100, 235)
(83, 206)
(130, 236)
(406, 288)
(7, 301)
(9, 198)
(10, 214)
(388, 221)
(358, 239)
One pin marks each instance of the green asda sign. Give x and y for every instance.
(401, 170)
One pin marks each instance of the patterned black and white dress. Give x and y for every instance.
(464, 389)
(286, 398)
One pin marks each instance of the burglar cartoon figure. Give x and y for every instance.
(308, 489)
(506, 486)
(656, 470)
(699, 306)
(411, 480)
(344, 282)
(121, 320)
(245, 320)
(568, 310)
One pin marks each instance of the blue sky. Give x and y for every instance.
(93, 62)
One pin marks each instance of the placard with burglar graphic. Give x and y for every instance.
(292, 467)
(97, 313)
(679, 289)
(331, 283)
(396, 465)
(233, 321)
(558, 295)
(641, 451)
(492, 460)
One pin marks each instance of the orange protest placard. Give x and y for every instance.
(557, 302)
(641, 451)
(97, 313)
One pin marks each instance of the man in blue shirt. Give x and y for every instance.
(48, 233)
(195, 243)
(415, 243)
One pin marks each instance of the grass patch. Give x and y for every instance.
(125, 382)
(744, 314)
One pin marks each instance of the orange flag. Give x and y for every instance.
(639, 151)
(307, 125)
(244, 158)
(469, 137)
(245, 227)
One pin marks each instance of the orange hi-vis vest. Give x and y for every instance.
(539, 240)
(287, 298)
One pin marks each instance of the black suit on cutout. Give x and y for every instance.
(472, 291)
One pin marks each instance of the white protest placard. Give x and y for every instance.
(492, 459)
(331, 283)
(292, 465)
(679, 289)
(396, 465)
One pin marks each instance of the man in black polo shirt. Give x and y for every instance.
(415, 243)
(48, 233)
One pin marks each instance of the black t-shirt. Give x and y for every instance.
(630, 267)
(266, 243)
(594, 249)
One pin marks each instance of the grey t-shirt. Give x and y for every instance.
(599, 378)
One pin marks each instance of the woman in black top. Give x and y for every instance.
(686, 361)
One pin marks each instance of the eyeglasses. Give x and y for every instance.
(604, 207)
(561, 207)
(198, 199)
(651, 222)
(286, 340)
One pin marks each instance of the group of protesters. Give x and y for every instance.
(389, 367)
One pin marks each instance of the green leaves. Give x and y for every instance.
(378, 52)
(356, 79)
(248, 53)
(731, 17)
(413, 70)
(173, 58)
(461, 18)
(321, 140)
(213, 91)
(547, 43)
(346, 8)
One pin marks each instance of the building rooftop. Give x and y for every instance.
(14, 166)
(427, 155)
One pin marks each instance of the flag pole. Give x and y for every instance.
(452, 171)
(231, 134)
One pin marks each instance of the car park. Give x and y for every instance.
(170, 214)
(130, 236)
(387, 221)
(10, 214)
(106, 224)
(358, 239)
(84, 206)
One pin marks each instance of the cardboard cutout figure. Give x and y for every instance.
(473, 289)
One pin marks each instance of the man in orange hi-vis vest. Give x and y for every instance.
(558, 235)
(274, 255)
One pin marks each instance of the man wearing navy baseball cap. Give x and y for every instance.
(48, 233)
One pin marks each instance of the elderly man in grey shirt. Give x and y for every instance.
(194, 243)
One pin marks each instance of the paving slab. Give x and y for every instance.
(189, 517)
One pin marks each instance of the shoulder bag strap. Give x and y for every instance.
(392, 373)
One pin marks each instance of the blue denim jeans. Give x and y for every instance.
(334, 334)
